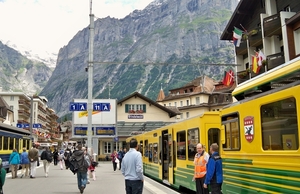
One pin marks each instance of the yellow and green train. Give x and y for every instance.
(258, 140)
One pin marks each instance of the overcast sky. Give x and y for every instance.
(48, 25)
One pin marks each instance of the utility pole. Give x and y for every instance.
(31, 115)
(90, 81)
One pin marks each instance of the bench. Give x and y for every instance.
(102, 157)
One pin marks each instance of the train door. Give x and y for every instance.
(213, 136)
(167, 156)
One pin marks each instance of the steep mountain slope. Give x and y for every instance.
(18, 73)
(181, 33)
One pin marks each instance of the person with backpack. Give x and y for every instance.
(67, 155)
(79, 161)
(47, 158)
(214, 173)
(2, 177)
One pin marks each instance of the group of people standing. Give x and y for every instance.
(208, 170)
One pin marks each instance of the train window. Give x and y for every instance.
(5, 143)
(193, 140)
(232, 132)
(146, 148)
(280, 125)
(141, 147)
(150, 153)
(17, 143)
(11, 143)
(1, 140)
(181, 145)
(155, 155)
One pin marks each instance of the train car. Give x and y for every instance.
(261, 151)
(12, 138)
(168, 152)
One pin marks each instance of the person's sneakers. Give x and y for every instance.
(88, 182)
(22, 176)
(32, 177)
(81, 189)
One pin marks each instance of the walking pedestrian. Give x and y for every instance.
(55, 157)
(79, 157)
(33, 155)
(46, 157)
(114, 159)
(121, 154)
(67, 155)
(2, 177)
(24, 161)
(214, 174)
(132, 169)
(14, 161)
(61, 159)
(200, 161)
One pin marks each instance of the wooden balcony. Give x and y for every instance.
(272, 25)
(24, 103)
(255, 39)
(242, 49)
(24, 113)
(243, 76)
(275, 60)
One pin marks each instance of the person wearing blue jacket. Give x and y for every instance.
(24, 161)
(214, 171)
(14, 161)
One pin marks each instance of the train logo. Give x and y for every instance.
(249, 128)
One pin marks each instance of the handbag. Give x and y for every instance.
(38, 162)
(117, 160)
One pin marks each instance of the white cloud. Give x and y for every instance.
(48, 25)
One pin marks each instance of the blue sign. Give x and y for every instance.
(37, 125)
(26, 125)
(101, 107)
(116, 139)
(78, 106)
(20, 125)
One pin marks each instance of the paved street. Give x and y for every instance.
(63, 181)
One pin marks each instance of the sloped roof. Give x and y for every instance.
(136, 94)
(161, 96)
(243, 11)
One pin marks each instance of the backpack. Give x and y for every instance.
(73, 165)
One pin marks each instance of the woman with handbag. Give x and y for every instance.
(114, 159)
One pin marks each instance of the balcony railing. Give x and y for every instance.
(24, 113)
(255, 39)
(242, 49)
(24, 103)
(243, 76)
(272, 25)
(275, 60)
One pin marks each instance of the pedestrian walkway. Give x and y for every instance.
(64, 182)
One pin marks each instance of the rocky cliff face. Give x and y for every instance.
(184, 34)
(19, 74)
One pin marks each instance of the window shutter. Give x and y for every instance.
(126, 108)
(144, 107)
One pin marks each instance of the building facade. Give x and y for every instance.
(269, 26)
(44, 120)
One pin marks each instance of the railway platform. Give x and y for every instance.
(64, 182)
